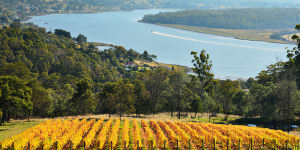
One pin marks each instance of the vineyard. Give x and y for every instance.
(135, 134)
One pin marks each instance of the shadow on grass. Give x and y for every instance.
(272, 124)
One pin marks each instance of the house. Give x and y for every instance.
(130, 65)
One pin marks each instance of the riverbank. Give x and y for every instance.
(251, 35)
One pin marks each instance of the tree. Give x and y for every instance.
(187, 99)
(196, 105)
(62, 33)
(141, 97)
(107, 98)
(15, 97)
(294, 57)
(81, 39)
(42, 100)
(288, 100)
(228, 89)
(156, 82)
(178, 84)
(168, 100)
(209, 104)
(60, 98)
(260, 95)
(202, 67)
(145, 55)
(194, 86)
(16, 24)
(240, 103)
(125, 97)
(117, 97)
(148, 57)
(83, 100)
(17, 69)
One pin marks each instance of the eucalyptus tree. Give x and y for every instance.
(202, 68)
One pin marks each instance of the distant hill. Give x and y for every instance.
(22, 9)
(248, 18)
(16, 9)
(40, 53)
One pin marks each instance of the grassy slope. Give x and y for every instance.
(10, 129)
(157, 64)
(252, 35)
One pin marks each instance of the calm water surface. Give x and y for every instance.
(230, 57)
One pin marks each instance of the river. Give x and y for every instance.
(231, 58)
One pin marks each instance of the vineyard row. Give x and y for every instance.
(113, 134)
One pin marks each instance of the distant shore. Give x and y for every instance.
(251, 35)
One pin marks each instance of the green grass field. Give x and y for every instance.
(10, 129)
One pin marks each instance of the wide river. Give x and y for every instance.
(231, 58)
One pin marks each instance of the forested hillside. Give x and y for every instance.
(22, 9)
(250, 18)
(47, 66)
(221, 4)
(44, 74)
(16, 9)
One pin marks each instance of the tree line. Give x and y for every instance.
(243, 18)
(44, 74)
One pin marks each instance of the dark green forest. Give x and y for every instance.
(221, 4)
(23, 9)
(246, 18)
(44, 74)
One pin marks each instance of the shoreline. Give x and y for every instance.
(101, 44)
(183, 68)
(251, 35)
(27, 18)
